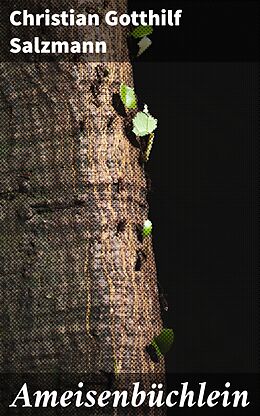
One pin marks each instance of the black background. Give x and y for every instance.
(203, 201)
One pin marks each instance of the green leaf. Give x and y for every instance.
(144, 124)
(157, 349)
(154, 352)
(144, 44)
(160, 345)
(128, 96)
(165, 340)
(147, 228)
(141, 31)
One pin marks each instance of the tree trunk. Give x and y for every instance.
(78, 286)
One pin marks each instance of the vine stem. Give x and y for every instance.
(149, 147)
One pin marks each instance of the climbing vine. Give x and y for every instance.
(144, 125)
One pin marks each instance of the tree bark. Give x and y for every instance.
(78, 285)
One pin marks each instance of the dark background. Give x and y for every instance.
(203, 201)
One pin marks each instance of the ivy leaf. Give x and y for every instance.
(144, 124)
(141, 31)
(144, 44)
(128, 96)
